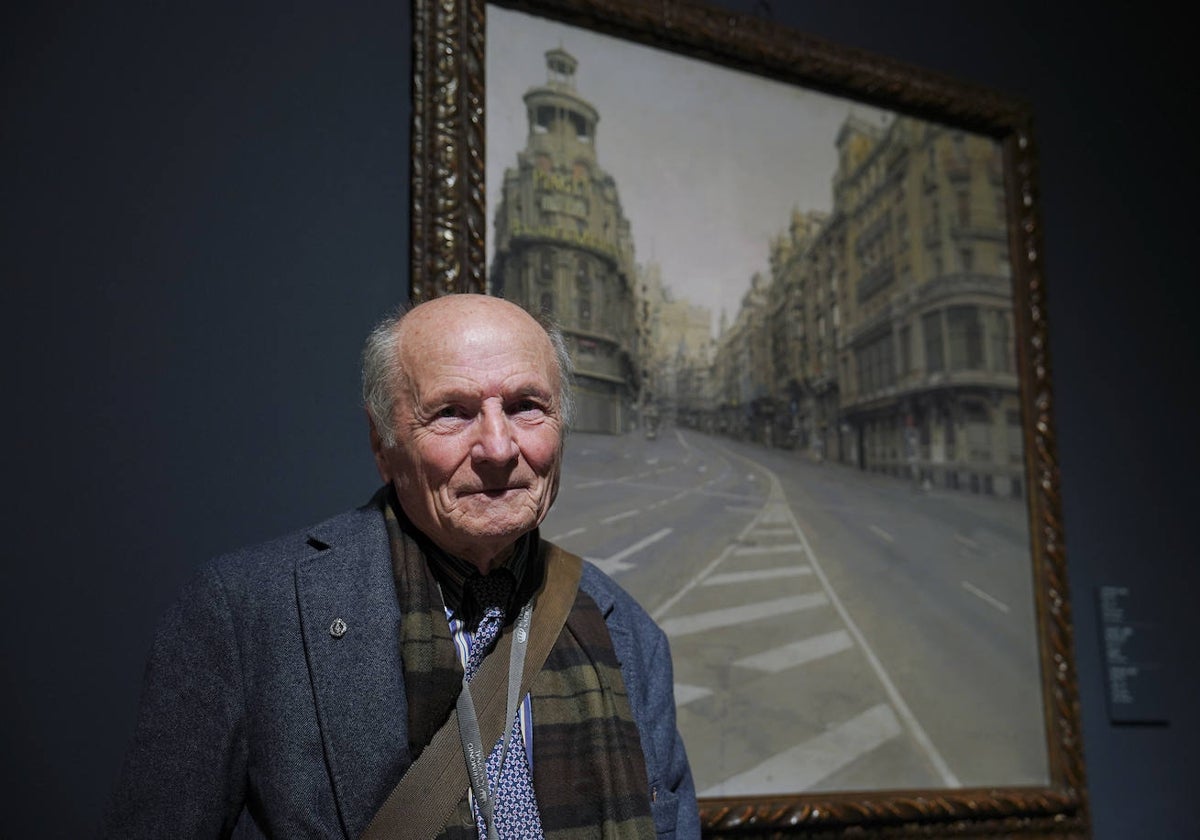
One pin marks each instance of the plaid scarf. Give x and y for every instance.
(588, 769)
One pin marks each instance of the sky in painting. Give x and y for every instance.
(709, 163)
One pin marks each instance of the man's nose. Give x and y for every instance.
(497, 441)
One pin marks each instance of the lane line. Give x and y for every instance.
(909, 719)
(574, 532)
(902, 708)
(619, 516)
(685, 694)
(754, 576)
(983, 596)
(752, 550)
(772, 531)
(882, 534)
(642, 543)
(615, 564)
(805, 765)
(798, 653)
(666, 605)
(731, 616)
(967, 541)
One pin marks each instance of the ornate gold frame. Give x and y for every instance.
(448, 255)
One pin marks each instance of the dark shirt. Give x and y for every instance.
(524, 568)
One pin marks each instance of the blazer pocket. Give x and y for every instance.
(665, 810)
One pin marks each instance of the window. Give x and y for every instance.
(963, 205)
(876, 368)
(960, 147)
(583, 275)
(966, 338)
(1016, 438)
(1002, 350)
(931, 326)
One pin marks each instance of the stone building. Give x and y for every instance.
(805, 396)
(885, 333)
(563, 247)
(676, 347)
(928, 378)
(742, 371)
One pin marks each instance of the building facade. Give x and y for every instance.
(676, 349)
(928, 376)
(884, 336)
(564, 248)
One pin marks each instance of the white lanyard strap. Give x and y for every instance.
(472, 742)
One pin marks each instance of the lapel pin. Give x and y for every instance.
(337, 629)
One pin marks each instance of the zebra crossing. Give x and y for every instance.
(751, 632)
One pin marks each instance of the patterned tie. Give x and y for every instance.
(514, 805)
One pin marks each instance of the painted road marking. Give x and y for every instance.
(805, 765)
(773, 531)
(798, 653)
(967, 541)
(616, 563)
(685, 694)
(761, 574)
(979, 593)
(949, 779)
(882, 534)
(574, 532)
(730, 616)
(620, 516)
(750, 550)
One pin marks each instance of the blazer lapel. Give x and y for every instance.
(350, 620)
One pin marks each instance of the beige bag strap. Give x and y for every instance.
(422, 801)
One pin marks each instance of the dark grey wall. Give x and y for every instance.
(205, 208)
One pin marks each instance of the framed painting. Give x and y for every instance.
(802, 288)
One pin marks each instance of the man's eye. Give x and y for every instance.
(523, 406)
(449, 412)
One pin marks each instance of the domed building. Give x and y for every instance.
(563, 247)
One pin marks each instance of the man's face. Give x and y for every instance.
(478, 425)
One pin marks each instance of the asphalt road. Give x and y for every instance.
(832, 630)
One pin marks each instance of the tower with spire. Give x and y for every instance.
(563, 246)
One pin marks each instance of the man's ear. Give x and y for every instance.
(379, 451)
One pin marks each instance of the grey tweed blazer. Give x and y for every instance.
(254, 701)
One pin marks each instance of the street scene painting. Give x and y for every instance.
(799, 438)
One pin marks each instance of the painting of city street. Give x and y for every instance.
(799, 438)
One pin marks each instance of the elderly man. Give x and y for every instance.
(424, 666)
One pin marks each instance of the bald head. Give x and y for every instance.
(418, 331)
(467, 397)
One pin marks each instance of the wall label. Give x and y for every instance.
(1131, 640)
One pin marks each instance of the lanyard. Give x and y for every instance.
(472, 742)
